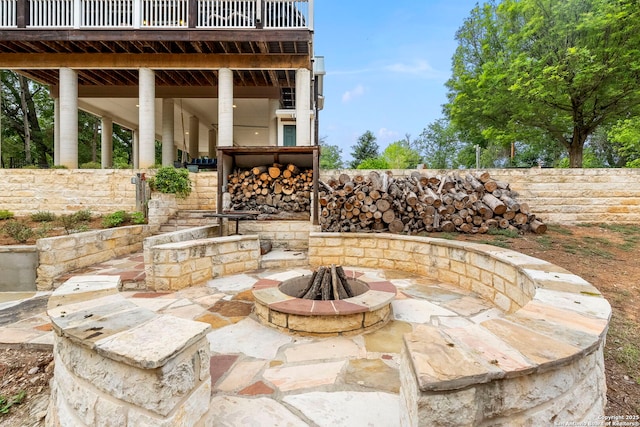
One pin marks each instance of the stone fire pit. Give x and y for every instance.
(368, 309)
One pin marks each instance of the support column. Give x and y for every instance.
(213, 144)
(225, 107)
(274, 105)
(106, 148)
(69, 118)
(147, 118)
(303, 107)
(194, 137)
(135, 148)
(168, 146)
(56, 131)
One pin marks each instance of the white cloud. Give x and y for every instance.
(419, 68)
(356, 92)
(386, 135)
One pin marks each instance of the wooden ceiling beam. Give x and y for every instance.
(152, 60)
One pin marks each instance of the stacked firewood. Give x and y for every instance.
(473, 203)
(271, 189)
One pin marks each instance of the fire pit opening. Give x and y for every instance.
(330, 301)
(326, 284)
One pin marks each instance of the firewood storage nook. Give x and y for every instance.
(277, 182)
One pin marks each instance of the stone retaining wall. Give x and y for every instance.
(120, 364)
(188, 263)
(540, 363)
(62, 254)
(102, 191)
(555, 195)
(562, 196)
(284, 234)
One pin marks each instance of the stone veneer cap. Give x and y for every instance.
(84, 288)
(89, 310)
(153, 343)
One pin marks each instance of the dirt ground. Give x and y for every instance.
(605, 255)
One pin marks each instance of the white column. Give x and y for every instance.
(135, 148)
(303, 107)
(69, 118)
(56, 131)
(168, 146)
(147, 117)
(194, 137)
(225, 107)
(274, 105)
(213, 144)
(106, 148)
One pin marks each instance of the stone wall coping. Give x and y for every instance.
(89, 311)
(207, 241)
(18, 248)
(562, 320)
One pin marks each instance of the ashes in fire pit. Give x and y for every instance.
(326, 284)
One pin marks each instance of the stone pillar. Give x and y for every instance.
(225, 107)
(274, 105)
(168, 147)
(106, 148)
(213, 144)
(147, 116)
(56, 131)
(194, 137)
(135, 149)
(69, 118)
(303, 107)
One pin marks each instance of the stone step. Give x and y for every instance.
(281, 258)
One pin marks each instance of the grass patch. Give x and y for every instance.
(498, 242)
(622, 228)
(7, 402)
(544, 242)
(448, 236)
(503, 232)
(597, 241)
(559, 229)
(628, 355)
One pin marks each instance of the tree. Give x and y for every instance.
(374, 163)
(400, 155)
(626, 136)
(438, 143)
(27, 113)
(549, 69)
(365, 148)
(330, 156)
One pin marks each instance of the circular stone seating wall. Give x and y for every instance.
(540, 363)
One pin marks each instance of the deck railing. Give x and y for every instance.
(214, 14)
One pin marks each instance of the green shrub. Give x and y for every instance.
(115, 219)
(59, 167)
(43, 231)
(170, 180)
(138, 218)
(91, 165)
(5, 214)
(43, 216)
(17, 230)
(75, 222)
(83, 215)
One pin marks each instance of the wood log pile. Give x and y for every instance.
(327, 283)
(271, 189)
(473, 203)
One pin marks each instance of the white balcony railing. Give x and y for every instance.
(275, 14)
(8, 13)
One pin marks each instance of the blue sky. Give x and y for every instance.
(386, 65)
